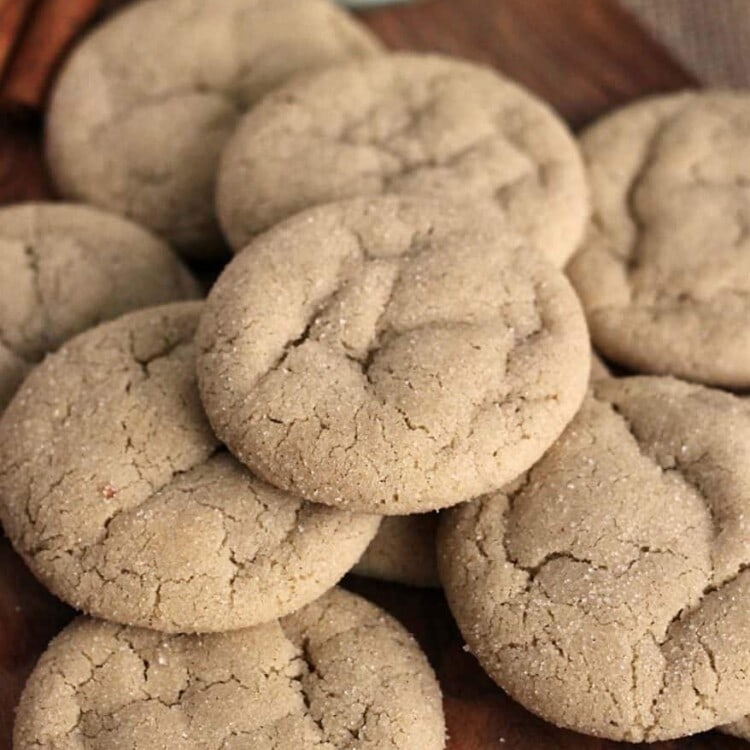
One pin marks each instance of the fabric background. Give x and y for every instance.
(711, 38)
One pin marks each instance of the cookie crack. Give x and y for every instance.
(310, 670)
(164, 352)
(632, 259)
(681, 468)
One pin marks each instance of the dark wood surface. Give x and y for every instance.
(584, 57)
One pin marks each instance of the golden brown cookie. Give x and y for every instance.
(408, 124)
(145, 103)
(66, 267)
(607, 590)
(664, 272)
(391, 355)
(403, 551)
(123, 502)
(338, 674)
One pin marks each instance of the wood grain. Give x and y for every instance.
(584, 57)
(29, 617)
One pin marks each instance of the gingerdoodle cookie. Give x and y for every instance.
(145, 103)
(402, 551)
(67, 267)
(338, 674)
(607, 590)
(123, 503)
(406, 123)
(739, 729)
(598, 369)
(664, 272)
(391, 355)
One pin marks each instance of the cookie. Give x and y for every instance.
(739, 729)
(607, 590)
(145, 103)
(390, 355)
(67, 267)
(122, 501)
(664, 272)
(598, 369)
(403, 551)
(406, 123)
(338, 674)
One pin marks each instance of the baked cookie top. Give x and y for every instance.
(607, 590)
(124, 504)
(664, 272)
(145, 103)
(406, 123)
(402, 551)
(340, 673)
(391, 355)
(66, 267)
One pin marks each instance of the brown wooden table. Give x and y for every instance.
(584, 57)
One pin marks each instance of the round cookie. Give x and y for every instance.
(338, 674)
(607, 590)
(391, 355)
(664, 272)
(143, 107)
(403, 551)
(406, 123)
(124, 504)
(67, 267)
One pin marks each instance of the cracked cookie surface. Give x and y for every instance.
(607, 590)
(402, 551)
(66, 267)
(408, 124)
(391, 355)
(338, 675)
(122, 501)
(664, 271)
(144, 105)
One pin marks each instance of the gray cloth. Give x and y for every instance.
(710, 38)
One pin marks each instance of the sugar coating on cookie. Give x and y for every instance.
(406, 123)
(607, 590)
(145, 103)
(66, 267)
(391, 355)
(338, 674)
(122, 501)
(664, 272)
(403, 551)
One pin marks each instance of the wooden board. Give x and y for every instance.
(584, 57)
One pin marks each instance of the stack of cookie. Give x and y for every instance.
(394, 336)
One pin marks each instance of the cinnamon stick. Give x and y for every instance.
(54, 24)
(13, 17)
